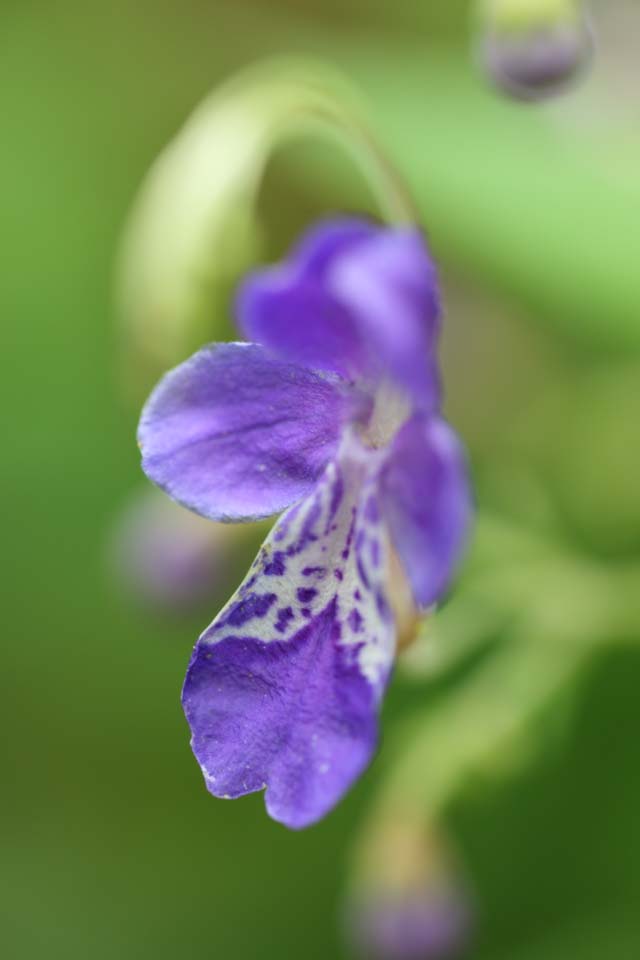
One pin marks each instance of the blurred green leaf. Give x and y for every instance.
(580, 440)
(611, 933)
(518, 14)
(507, 194)
(517, 196)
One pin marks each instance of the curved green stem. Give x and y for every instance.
(193, 229)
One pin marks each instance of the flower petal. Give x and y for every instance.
(328, 240)
(283, 688)
(426, 502)
(390, 286)
(234, 433)
(300, 321)
(355, 298)
(290, 310)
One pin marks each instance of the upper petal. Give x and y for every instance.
(326, 241)
(283, 688)
(355, 298)
(290, 309)
(426, 500)
(297, 318)
(389, 285)
(234, 433)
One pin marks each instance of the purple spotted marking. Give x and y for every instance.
(337, 493)
(383, 607)
(306, 612)
(318, 572)
(374, 546)
(285, 616)
(277, 565)
(338, 574)
(355, 620)
(349, 540)
(306, 594)
(253, 606)
(307, 535)
(362, 573)
(285, 523)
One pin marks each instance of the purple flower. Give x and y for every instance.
(425, 925)
(541, 61)
(409, 899)
(331, 414)
(165, 557)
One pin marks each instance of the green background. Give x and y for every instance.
(110, 845)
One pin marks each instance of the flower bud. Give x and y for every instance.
(533, 49)
(166, 557)
(408, 901)
(418, 926)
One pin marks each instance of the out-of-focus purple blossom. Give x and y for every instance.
(408, 900)
(537, 62)
(332, 414)
(425, 924)
(164, 556)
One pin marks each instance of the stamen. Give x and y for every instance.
(408, 617)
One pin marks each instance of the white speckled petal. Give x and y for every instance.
(283, 688)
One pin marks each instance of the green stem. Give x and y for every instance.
(351, 134)
(517, 580)
(479, 728)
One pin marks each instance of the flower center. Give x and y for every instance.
(391, 407)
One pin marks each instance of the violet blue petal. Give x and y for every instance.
(328, 240)
(355, 298)
(283, 688)
(234, 433)
(390, 286)
(299, 320)
(426, 501)
(289, 309)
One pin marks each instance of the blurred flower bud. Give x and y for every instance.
(167, 558)
(408, 901)
(533, 49)
(418, 926)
